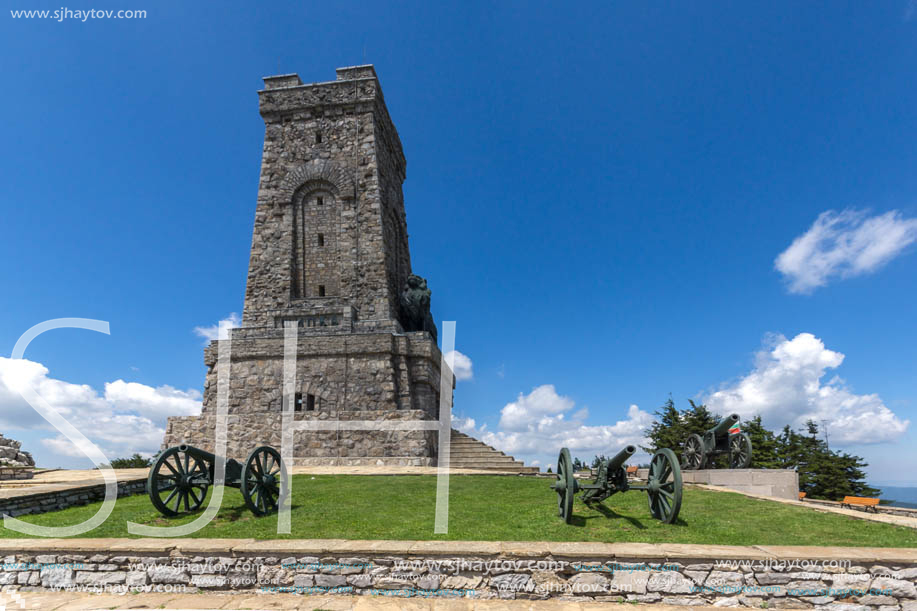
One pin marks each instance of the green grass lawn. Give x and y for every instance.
(493, 508)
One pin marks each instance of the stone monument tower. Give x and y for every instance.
(330, 255)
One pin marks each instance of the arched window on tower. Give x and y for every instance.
(316, 265)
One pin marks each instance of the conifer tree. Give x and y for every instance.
(764, 445)
(667, 431)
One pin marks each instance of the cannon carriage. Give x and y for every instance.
(663, 483)
(725, 438)
(181, 476)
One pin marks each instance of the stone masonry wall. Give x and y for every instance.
(66, 497)
(7, 473)
(376, 377)
(329, 138)
(351, 373)
(854, 579)
(349, 448)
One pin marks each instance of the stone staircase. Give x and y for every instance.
(469, 453)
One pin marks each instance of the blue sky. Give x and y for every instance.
(597, 194)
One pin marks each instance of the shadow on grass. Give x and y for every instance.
(233, 513)
(611, 513)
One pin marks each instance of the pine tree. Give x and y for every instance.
(698, 419)
(823, 474)
(806, 454)
(786, 451)
(764, 444)
(667, 431)
(853, 469)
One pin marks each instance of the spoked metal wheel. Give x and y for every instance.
(739, 451)
(262, 479)
(663, 486)
(178, 482)
(565, 486)
(693, 454)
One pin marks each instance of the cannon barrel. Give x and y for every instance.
(199, 453)
(618, 459)
(725, 424)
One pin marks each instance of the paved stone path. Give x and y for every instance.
(73, 601)
(853, 513)
(53, 481)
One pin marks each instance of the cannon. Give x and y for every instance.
(181, 475)
(724, 438)
(663, 483)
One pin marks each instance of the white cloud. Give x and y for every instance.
(461, 366)
(465, 425)
(536, 426)
(213, 331)
(786, 387)
(156, 403)
(542, 406)
(842, 245)
(129, 417)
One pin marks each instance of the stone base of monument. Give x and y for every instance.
(779, 483)
(331, 446)
(9, 473)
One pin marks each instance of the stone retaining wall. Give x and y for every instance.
(844, 579)
(7, 473)
(778, 483)
(65, 496)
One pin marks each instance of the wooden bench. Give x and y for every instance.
(802, 495)
(865, 502)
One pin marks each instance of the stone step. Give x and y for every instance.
(508, 469)
(500, 457)
(466, 452)
(469, 450)
(486, 461)
(482, 455)
(473, 446)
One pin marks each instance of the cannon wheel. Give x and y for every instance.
(663, 486)
(261, 480)
(565, 486)
(178, 479)
(694, 454)
(739, 451)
